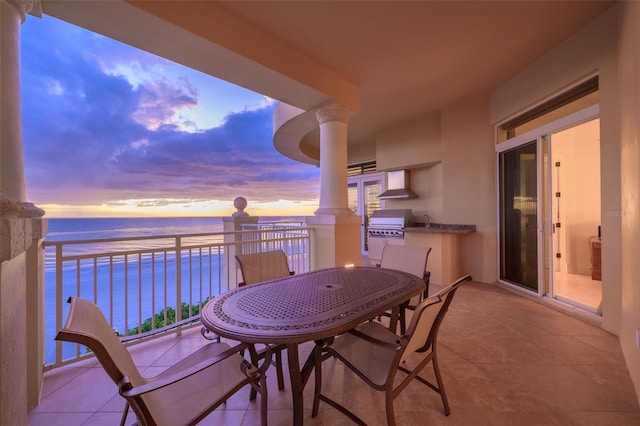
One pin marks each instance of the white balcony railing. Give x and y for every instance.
(140, 286)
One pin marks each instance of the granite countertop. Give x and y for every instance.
(441, 228)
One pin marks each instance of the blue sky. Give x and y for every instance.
(109, 130)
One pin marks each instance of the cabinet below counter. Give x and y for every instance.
(444, 263)
(442, 228)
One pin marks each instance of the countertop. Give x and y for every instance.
(441, 228)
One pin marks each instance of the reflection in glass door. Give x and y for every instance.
(518, 188)
(363, 194)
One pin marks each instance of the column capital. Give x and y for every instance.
(20, 209)
(26, 6)
(16, 226)
(332, 112)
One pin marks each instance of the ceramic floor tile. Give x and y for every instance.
(572, 350)
(505, 360)
(109, 419)
(605, 418)
(88, 392)
(58, 419)
(457, 418)
(58, 377)
(607, 344)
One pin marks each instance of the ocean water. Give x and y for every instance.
(120, 289)
(96, 228)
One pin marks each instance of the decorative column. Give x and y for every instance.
(12, 15)
(333, 120)
(22, 232)
(335, 238)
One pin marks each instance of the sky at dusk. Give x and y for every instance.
(110, 130)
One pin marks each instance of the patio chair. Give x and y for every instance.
(376, 354)
(186, 392)
(407, 259)
(265, 266)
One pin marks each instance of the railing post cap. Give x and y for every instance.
(240, 203)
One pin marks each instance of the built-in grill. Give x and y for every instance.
(390, 223)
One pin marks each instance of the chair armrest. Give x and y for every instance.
(126, 389)
(395, 345)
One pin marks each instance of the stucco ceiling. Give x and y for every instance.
(410, 58)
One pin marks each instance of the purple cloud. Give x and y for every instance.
(91, 136)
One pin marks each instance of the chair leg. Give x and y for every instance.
(279, 370)
(443, 395)
(253, 355)
(124, 414)
(263, 400)
(403, 319)
(388, 398)
(427, 278)
(394, 317)
(317, 366)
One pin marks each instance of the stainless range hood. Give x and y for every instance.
(398, 186)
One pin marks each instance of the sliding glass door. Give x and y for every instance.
(549, 209)
(518, 206)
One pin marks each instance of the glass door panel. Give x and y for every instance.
(519, 215)
(363, 191)
(352, 195)
(574, 170)
(371, 203)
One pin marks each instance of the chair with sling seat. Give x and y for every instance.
(265, 266)
(186, 392)
(376, 354)
(411, 259)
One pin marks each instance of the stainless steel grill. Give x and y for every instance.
(389, 223)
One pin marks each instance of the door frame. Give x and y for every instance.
(541, 136)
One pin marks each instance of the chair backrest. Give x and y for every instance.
(405, 258)
(87, 325)
(263, 266)
(427, 318)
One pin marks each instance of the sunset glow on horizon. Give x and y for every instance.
(177, 209)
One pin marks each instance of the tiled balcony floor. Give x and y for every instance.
(505, 360)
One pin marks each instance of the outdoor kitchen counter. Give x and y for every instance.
(442, 228)
(445, 260)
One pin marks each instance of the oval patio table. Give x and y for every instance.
(313, 306)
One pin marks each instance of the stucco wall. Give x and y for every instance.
(629, 80)
(420, 140)
(460, 187)
(469, 183)
(416, 145)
